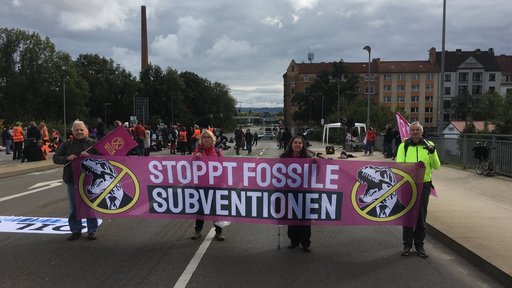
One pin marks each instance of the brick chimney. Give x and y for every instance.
(432, 55)
(144, 39)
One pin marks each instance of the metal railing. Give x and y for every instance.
(457, 149)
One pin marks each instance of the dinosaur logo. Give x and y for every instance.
(105, 189)
(378, 201)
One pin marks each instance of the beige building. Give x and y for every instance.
(406, 86)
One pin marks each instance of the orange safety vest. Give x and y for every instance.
(183, 136)
(17, 134)
(44, 134)
(197, 134)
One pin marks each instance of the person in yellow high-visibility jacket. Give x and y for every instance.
(412, 150)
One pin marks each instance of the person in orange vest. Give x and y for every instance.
(44, 133)
(195, 137)
(182, 140)
(139, 136)
(17, 137)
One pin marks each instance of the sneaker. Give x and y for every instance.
(74, 236)
(293, 245)
(406, 251)
(219, 237)
(196, 235)
(306, 249)
(421, 252)
(91, 236)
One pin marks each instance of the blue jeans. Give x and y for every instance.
(368, 148)
(75, 224)
(8, 144)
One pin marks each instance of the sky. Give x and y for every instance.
(248, 44)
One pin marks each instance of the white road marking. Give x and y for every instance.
(48, 185)
(194, 262)
(263, 150)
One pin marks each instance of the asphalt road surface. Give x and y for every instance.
(159, 253)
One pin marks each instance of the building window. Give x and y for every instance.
(492, 89)
(447, 90)
(415, 76)
(306, 78)
(477, 76)
(293, 91)
(428, 120)
(400, 88)
(430, 88)
(428, 109)
(430, 76)
(415, 87)
(387, 88)
(429, 98)
(414, 109)
(387, 99)
(387, 76)
(463, 90)
(476, 90)
(415, 98)
(306, 90)
(447, 77)
(401, 77)
(492, 77)
(372, 90)
(400, 99)
(463, 77)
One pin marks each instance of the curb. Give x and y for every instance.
(482, 264)
(23, 171)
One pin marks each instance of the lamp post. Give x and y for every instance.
(322, 120)
(106, 104)
(369, 49)
(64, 104)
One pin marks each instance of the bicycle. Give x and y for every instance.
(483, 166)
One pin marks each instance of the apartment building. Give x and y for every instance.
(505, 63)
(406, 86)
(467, 73)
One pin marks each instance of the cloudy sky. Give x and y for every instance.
(248, 44)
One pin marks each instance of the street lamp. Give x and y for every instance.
(64, 96)
(367, 48)
(106, 104)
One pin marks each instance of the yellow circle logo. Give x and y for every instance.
(110, 196)
(366, 210)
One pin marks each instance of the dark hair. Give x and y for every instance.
(288, 153)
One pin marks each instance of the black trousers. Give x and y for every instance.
(200, 224)
(17, 150)
(417, 235)
(300, 234)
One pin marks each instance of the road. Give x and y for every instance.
(159, 253)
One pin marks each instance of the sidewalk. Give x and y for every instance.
(472, 213)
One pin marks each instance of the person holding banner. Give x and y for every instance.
(78, 146)
(298, 234)
(418, 149)
(206, 147)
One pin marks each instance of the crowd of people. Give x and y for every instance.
(34, 142)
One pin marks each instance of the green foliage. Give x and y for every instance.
(35, 79)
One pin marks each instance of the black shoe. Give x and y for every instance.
(293, 245)
(74, 236)
(219, 236)
(196, 235)
(91, 236)
(421, 252)
(406, 251)
(306, 249)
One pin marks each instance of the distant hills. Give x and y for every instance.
(271, 110)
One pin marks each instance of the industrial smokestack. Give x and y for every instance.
(144, 39)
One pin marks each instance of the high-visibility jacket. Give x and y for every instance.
(197, 134)
(411, 152)
(17, 134)
(183, 136)
(44, 134)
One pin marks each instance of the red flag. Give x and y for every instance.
(403, 126)
(116, 143)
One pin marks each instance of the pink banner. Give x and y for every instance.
(257, 190)
(116, 143)
(403, 126)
